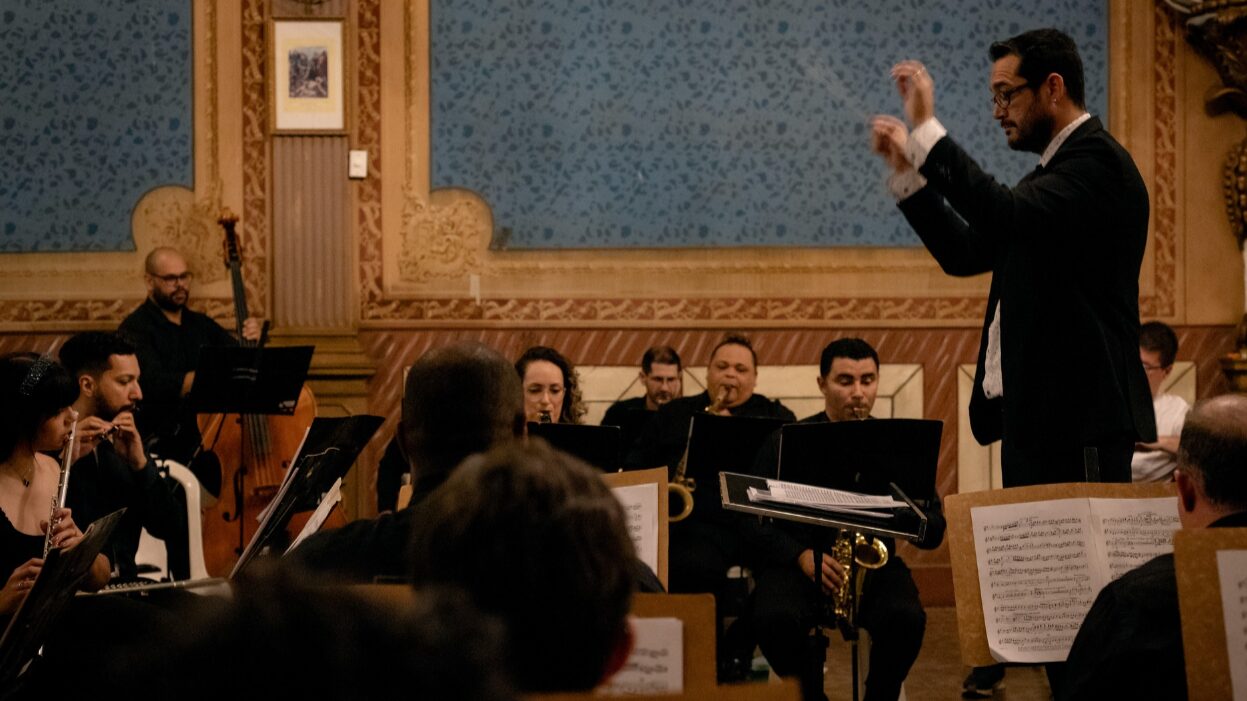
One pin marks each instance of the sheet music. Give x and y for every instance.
(1133, 531)
(317, 519)
(1041, 565)
(656, 665)
(824, 499)
(1232, 571)
(1037, 576)
(640, 505)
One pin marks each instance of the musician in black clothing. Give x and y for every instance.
(707, 543)
(111, 470)
(168, 337)
(662, 377)
(786, 604)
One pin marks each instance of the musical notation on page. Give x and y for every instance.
(1232, 571)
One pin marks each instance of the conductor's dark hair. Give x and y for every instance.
(851, 348)
(459, 400)
(1157, 337)
(33, 389)
(663, 355)
(573, 408)
(1042, 52)
(538, 540)
(87, 353)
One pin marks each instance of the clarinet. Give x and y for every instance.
(62, 486)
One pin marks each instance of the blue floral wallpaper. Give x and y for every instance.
(96, 111)
(678, 123)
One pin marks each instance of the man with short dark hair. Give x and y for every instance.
(661, 376)
(1155, 461)
(1064, 247)
(112, 470)
(1130, 643)
(537, 539)
(459, 400)
(786, 603)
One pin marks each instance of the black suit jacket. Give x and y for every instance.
(1064, 246)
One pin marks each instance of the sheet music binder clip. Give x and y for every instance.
(243, 380)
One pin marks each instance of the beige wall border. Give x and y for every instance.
(425, 258)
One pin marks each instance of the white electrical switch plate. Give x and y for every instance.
(357, 164)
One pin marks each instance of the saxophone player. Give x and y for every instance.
(786, 603)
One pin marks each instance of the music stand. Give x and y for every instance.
(243, 380)
(722, 444)
(328, 450)
(56, 584)
(869, 457)
(600, 446)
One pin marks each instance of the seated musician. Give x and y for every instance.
(36, 395)
(1130, 643)
(662, 377)
(536, 538)
(786, 604)
(169, 336)
(112, 470)
(551, 387)
(704, 546)
(458, 400)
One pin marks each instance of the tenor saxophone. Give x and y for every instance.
(681, 487)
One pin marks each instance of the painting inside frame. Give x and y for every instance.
(308, 80)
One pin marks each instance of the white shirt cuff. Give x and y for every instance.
(922, 139)
(902, 185)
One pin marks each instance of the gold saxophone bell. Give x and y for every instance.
(855, 553)
(682, 491)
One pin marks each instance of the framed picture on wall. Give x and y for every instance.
(307, 85)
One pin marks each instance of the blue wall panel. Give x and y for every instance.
(672, 123)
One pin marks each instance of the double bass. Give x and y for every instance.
(254, 450)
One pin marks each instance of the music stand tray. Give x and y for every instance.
(243, 380)
(600, 446)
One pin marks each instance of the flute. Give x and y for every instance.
(62, 487)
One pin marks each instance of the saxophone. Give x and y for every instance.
(681, 487)
(855, 554)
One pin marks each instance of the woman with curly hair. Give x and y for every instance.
(551, 387)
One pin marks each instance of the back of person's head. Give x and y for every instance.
(1213, 450)
(88, 353)
(1157, 337)
(735, 339)
(287, 639)
(33, 389)
(851, 348)
(662, 355)
(537, 539)
(1042, 52)
(459, 400)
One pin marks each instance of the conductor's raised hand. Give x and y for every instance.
(917, 91)
(888, 137)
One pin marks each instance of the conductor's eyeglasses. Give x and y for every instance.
(1004, 97)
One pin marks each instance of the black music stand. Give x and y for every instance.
(56, 584)
(723, 444)
(329, 448)
(244, 380)
(600, 446)
(881, 457)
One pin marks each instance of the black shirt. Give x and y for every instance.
(1130, 643)
(166, 352)
(630, 415)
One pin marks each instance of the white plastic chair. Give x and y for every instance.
(152, 550)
